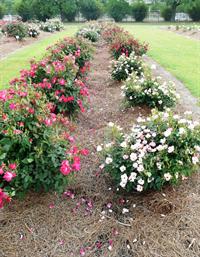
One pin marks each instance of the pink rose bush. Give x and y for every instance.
(162, 149)
(37, 148)
(34, 154)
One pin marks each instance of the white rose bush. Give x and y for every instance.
(161, 149)
(149, 91)
(126, 65)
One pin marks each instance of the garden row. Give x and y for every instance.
(193, 28)
(21, 30)
(161, 149)
(37, 146)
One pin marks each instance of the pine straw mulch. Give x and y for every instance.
(158, 224)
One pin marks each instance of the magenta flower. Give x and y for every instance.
(65, 168)
(12, 106)
(8, 176)
(12, 166)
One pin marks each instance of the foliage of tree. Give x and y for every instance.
(68, 9)
(194, 10)
(166, 13)
(91, 9)
(118, 9)
(24, 9)
(45, 9)
(2, 10)
(139, 11)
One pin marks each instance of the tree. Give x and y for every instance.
(118, 9)
(91, 9)
(139, 11)
(68, 9)
(2, 10)
(44, 10)
(194, 10)
(174, 4)
(24, 9)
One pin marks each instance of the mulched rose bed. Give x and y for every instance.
(91, 219)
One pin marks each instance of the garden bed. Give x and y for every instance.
(9, 45)
(192, 34)
(92, 218)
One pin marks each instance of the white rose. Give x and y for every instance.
(167, 176)
(195, 160)
(171, 149)
(99, 148)
(123, 144)
(109, 160)
(139, 188)
(141, 181)
(132, 177)
(133, 157)
(122, 168)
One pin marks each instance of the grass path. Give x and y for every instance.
(177, 54)
(10, 67)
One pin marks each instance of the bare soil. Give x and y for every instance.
(9, 45)
(192, 34)
(158, 224)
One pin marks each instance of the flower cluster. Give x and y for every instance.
(51, 25)
(193, 27)
(149, 91)
(58, 76)
(18, 30)
(89, 33)
(126, 65)
(122, 42)
(163, 149)
(80, 48)
(33, 31)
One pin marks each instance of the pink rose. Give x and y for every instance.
(12, 166)
(8, 176)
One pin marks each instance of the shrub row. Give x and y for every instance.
(20, 30)
(37, 147)
(161, 149)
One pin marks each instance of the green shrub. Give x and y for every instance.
(68, 9)
(2, 10)
(88, 33)
(139, 11)
(167, 13)
(16, 30)
(162, 150)
(24, 9)
(118, 9)
(91, 9)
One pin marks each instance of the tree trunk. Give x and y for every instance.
(173, 13)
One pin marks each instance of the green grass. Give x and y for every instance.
(176, 53)
(10, 67)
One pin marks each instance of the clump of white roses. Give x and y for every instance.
(126, 65)
(162, 149)
(153, 92)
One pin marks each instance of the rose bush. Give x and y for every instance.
(80, 48)
(18, 30)
(125, 65)
(57, 80)
(161, 150)
(31, 141)
(33, 31)
(89, 34)
(149, 91)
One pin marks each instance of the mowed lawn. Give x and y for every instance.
(10, 67)
(176, 53)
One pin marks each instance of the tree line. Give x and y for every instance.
(68, 10)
